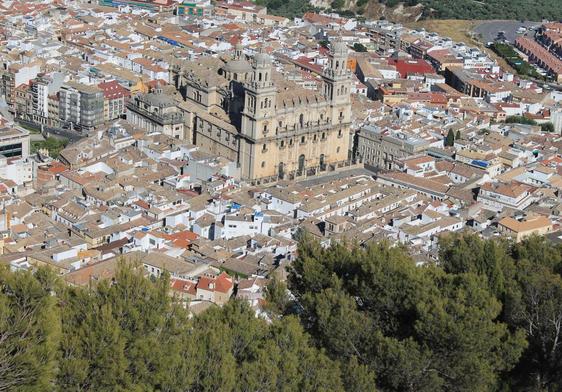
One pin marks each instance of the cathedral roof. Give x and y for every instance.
(238, 66)
(290, 94)
(205, 71)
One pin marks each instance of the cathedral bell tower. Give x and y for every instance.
(337, 83)
(259, 105)
(259, 111)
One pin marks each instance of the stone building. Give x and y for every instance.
(244, 110)
(383, 147)
(156, 112)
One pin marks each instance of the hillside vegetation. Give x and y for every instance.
(361, 319)
(411, 10)
(492, 9)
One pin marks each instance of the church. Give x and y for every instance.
(246, 111)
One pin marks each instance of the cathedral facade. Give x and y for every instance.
(244, 110)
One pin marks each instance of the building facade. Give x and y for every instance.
(384, 148)
(275, 129)
(81, 105)
(156, 112)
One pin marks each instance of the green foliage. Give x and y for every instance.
(29, 331)
(531, 293)
(520, 120)
(338, 4)
(488, 317)
(458, 9)
(494, 9)
(287, 8)
(277, 298)
(535, 306)
(418, 329)
(52, 144)
(359, 47)
(547, 127)
(515, 61)
(130, 335)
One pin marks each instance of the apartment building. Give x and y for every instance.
(81, 105)
(115, 97)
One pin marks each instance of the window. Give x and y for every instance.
(340, 134)
(282, 143)
(301, 165)
(263, 164)
(338, 149)
(303, 139)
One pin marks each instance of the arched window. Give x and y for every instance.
(322, 162)
(281, 170)
(301, 120)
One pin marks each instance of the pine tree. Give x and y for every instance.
(29, 330)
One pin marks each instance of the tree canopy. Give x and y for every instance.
(486, 317)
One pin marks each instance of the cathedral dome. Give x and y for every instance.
(262, 59)
(238, 66)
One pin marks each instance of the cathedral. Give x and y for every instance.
(246, 111)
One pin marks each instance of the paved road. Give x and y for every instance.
(488, 31)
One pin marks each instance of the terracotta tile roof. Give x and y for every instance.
(113, 90)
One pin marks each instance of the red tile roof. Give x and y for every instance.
(406, 67)
(113, 90)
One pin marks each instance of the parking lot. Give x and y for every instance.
(488, 31)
